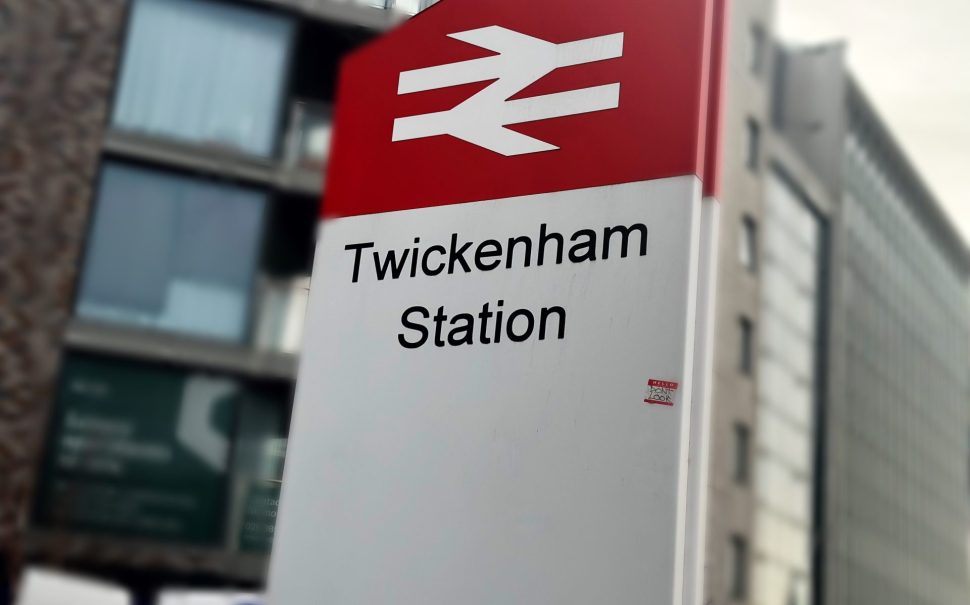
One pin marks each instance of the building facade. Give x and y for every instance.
(841, 445)
(158, 224)
(896, 505)
(57, 76)
(734, 429)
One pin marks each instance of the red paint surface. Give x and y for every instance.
(658, 131)
(715, 108)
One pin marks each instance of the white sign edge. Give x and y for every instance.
(695, 544)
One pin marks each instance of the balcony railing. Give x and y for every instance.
(308, 141)
(280, 314)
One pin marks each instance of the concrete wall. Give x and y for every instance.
(57, 60)
(734, 394)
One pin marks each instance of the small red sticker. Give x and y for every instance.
(661, 392)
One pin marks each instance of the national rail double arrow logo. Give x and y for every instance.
(520, 61)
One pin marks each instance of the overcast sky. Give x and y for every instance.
(913, 58)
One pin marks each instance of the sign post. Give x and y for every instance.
(702, 412)
(495, 397)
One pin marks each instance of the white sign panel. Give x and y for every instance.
(472, 423)
(495, 395)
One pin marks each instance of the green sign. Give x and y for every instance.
(140, 451)
(260, 451)
(259, 518)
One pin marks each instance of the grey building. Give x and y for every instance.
(843, 391)
(896, 496)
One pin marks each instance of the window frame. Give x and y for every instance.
(739, 564)
(748, 247)
(251, 310)
(746, 345)
(742, 454)
(757, 48)
(283, 101)
(753, 142)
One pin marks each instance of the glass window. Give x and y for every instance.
(204, 72)
(785, 442)
(738, 568)
(778, 388)
(172, 252)
(412, 7)
(746, 352)
(753, 145)
(798, 592)
(785, 248)
(784, 453)
(757, 49)
(780, 540)
(783, 491)
(781, 340)
(748, 246)
(259, 451)
(769, 582)
(312, 131)
(742, 454)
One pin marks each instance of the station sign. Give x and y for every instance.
(495, 396)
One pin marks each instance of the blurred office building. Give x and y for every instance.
(162, 180)
(842, 386)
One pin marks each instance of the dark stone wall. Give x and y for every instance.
(57, 64)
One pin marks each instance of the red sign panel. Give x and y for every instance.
(616, 93)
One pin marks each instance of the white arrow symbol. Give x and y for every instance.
(195, 430)
(521, 61)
